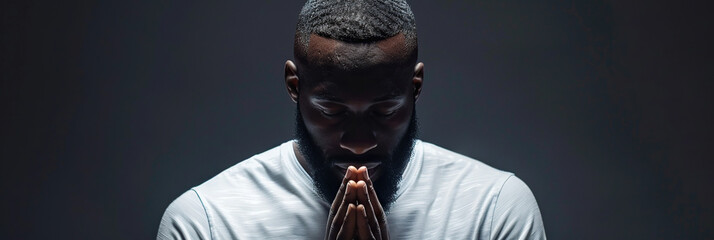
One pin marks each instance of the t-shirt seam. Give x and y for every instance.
(208, 219)
(416, 168)
(498, 197)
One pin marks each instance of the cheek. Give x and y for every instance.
(393, 129)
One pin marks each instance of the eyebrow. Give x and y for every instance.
(390, 96)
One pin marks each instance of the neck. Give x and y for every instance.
(301, 158)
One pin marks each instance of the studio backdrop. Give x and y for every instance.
(112, 109)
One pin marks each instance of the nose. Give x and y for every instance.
(358, 138)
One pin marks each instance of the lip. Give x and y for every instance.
(369, 165)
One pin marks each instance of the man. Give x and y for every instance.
(356, 169)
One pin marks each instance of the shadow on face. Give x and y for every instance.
(355, 101)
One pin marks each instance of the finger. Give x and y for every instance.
(347, 199)
(347, 230)
(363, 198)
(349, 175)
(334, 208)
(363, 230)
(360, 172)
(371, 192)
(377, 207)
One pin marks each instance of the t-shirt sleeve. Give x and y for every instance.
(516, 214)
(185, 218)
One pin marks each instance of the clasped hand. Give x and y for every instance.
(356, 212)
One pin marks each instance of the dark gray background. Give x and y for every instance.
(111, 110)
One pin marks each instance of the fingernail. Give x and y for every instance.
(364, 211)
(365, 174)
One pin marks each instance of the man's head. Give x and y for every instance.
(355, 80)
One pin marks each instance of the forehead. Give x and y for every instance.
(356, 70)
(326, 53)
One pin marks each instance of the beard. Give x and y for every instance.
(321, 171)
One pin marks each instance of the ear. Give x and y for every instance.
(291, 80)
(418, 79)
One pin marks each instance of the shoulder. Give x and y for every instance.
(448, 172)
(262, 162)
(185, 218)
(514, 212)
(259, 166)
(192, 214)
(450, 163)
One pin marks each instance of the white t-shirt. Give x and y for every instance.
(442, 195)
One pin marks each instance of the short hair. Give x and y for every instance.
(356, 21)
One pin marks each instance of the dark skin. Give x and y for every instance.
(356, 100)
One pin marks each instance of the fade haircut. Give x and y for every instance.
(355, 21)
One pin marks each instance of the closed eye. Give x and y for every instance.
(331, 113)
(385, 113)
